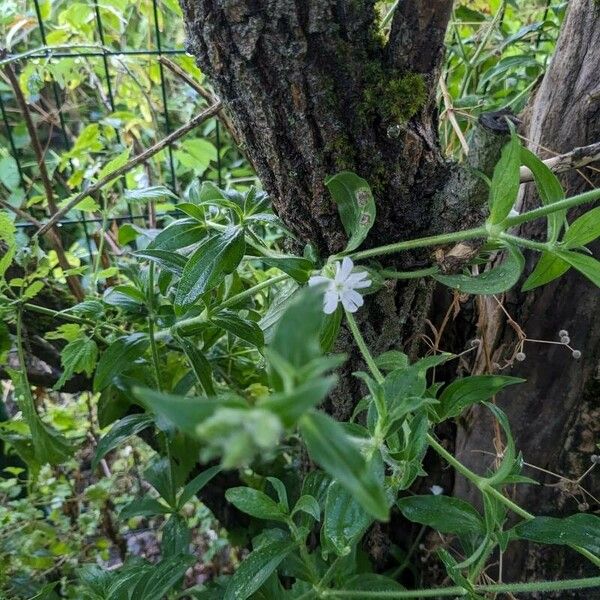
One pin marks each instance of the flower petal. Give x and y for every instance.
(352, 300)
(330, 302)
(357, 280)
(346, 269)
(318, 280)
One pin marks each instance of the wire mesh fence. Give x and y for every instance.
(118, 46)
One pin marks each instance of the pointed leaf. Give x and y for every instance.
(330, 447)
(356, 206)
(505, 181)
(256, 569)
(495, 281)
(214, 258)
(118, 357)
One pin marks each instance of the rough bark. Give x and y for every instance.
(555, 415)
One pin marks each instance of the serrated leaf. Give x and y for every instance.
(331, 448)
(505, 181)
(206, 268)
(78, 356)
(7, 235)
(116, 163)
(495, 281)
(356, 206)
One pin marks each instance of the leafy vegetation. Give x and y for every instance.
(200, 354)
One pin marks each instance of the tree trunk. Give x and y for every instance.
(555, 415)
(313, 90)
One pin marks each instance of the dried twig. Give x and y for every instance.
(206, 94)
(73, 282)
(134, 162)
(575, 159)
(452, 117)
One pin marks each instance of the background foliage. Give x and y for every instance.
(99, 95)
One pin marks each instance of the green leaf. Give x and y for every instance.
(179, 234)
(290, 406)
(356, 206)
(78, 356)
(159, 474)
(184, 413)
(296, 337)
(9, 173)
(549, 267)
(120, 431)
(214, 258)
(246, 330)
(255, 503)
(118, 357)
(467, 391)
(199, 363)
(176, 537)
(149, 194)
(579, 529)
(309, 505)
(143, 507)
(166, 260)
(116, 163)
(549, 189)
(7, 235)
(495, 281)
(256, 569)
(344, 520)
(505, 181)
(442, 513)
(583, 230)
(587, 265)
(48, 445)
(196, 484)
(330, 447)
(296, 267)
(163, 578)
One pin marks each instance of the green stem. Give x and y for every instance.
(165, 333)
(151, 334)
(531, 244)
(42, 310)
(433, 240)
(362, 346)
(496, 588)
(409, 274)
(251, 291)
(543, 211)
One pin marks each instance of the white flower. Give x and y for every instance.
(342, 288)
(436, 490)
